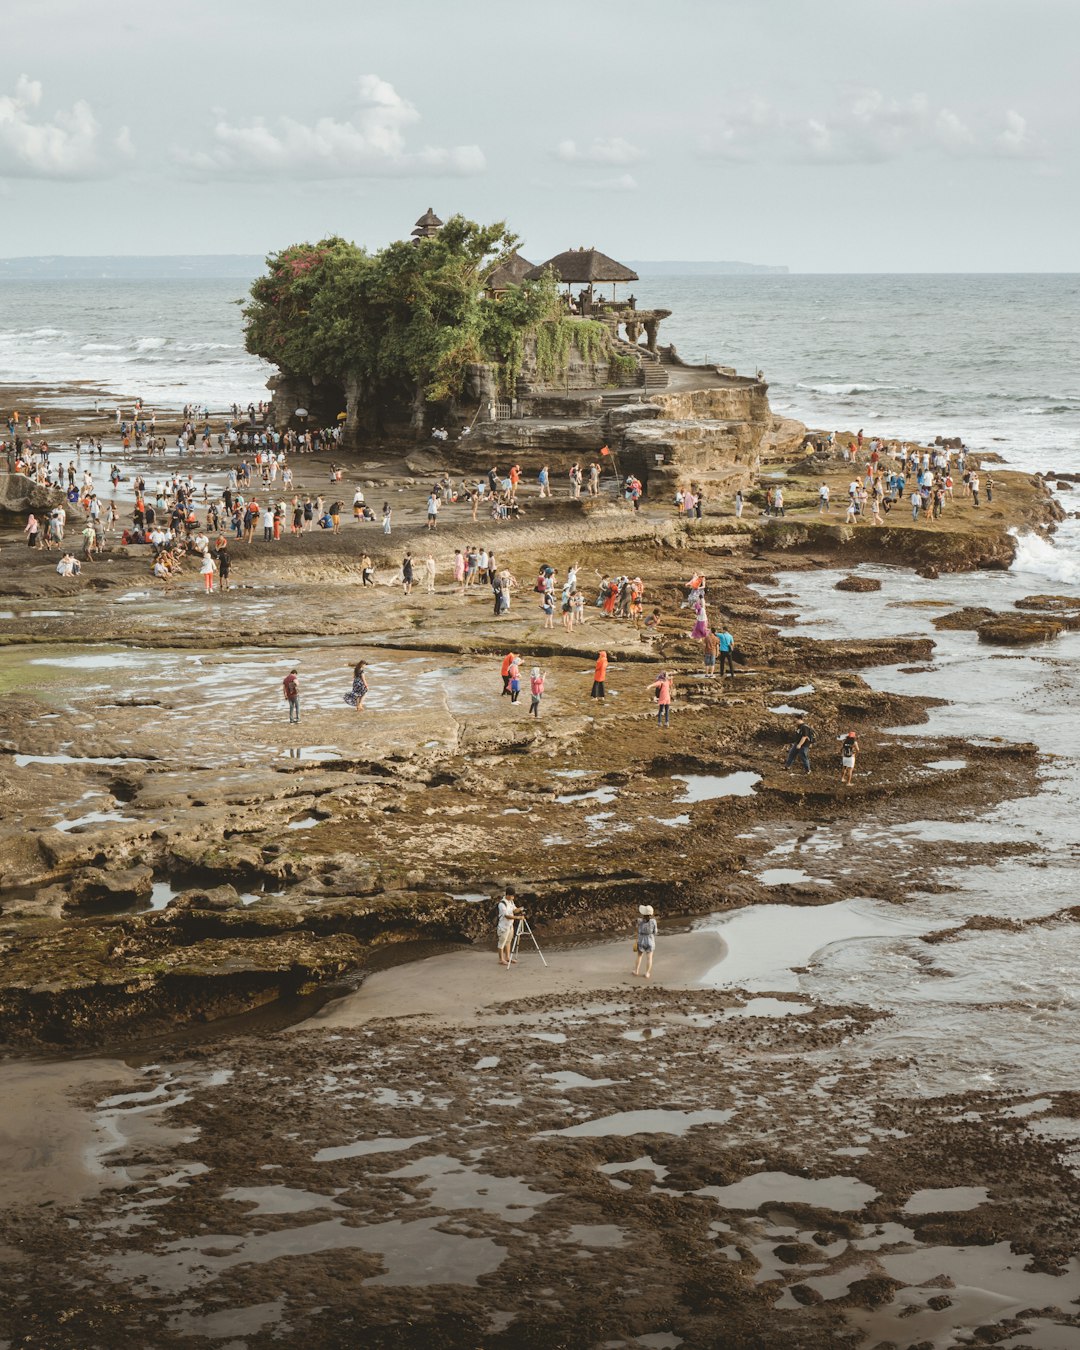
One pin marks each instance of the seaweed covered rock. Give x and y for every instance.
(857, 583)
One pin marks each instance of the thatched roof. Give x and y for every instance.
(584, 265)
(428, 225)
(510, 272)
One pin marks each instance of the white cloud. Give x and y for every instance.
(370, 142)
(869, 128)
(623, 182)
(32, 146)
(1016, 141)
(612, 150)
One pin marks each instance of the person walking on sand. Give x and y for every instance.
(508, 913)
(646, 939)
(514, 683)
(356, 695)
(662, 691)
(536, 691)
(290, 687)
(367, 572)
(804, 739)
(599, 676)
(849, 748)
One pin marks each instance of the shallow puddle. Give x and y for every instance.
(639, 1122)
(708, 787)
(843, 1194)
(950, 1199)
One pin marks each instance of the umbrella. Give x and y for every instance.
(301, 412)
(342, 417)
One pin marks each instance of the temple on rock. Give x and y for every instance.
(593, 374)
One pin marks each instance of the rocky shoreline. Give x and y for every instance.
(173, 852)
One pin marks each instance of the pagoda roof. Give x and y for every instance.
(512, 271)
(584, 265)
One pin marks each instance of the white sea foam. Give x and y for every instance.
(1042, 557)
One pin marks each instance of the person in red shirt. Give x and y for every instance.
(290, 687)
(662, 688)
(508, 660)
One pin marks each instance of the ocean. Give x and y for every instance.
(993, 359)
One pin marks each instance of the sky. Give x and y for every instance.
(827, 135)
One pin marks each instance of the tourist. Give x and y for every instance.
(386, 514)
(206, 570)
(407, 573)
(367, 572)
(429, 573)
(849, 748)
(508, 660)
(646, 939)
(804, 739)
(514, 681)
(459, 571)
(599, 676)
(543, 478)
(224, 561)
(335, 520)
(662, 692)
(433, 509)
(291, 688)
(547, 605)
(356, 695)
(710, 648)
(358, 505)
(823, 498)
(975, 488)
(536, 691)
(508, 914)
(31, 530)
(726, 645)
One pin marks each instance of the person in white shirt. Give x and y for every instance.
(268, 524)
(508, 912)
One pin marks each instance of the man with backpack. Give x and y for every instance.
(804, 739)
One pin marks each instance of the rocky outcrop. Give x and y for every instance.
(854, 583)
(20, 495)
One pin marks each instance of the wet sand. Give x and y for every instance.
(472, 987)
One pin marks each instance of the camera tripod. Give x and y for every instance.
(522, 926)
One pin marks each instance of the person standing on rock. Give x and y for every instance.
(386, 514)
(356, 695)
(290, 687)
(543, 478)
(206, 570)
(508, 660)
(710, 648)
(804, 739)
(224, 561)
(646, 939)
(459, 571)
(599, 676)
(433, 509)
(514, 682)
(823, 498)
(726, 647)
(367, 572)
(407, 573)
(849, 748)
(738, 504)
(536, 691)
(429, 573)
(662, 692)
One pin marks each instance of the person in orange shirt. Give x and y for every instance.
(508, 660)
(599, 675)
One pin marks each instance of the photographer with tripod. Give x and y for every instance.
(509, 915)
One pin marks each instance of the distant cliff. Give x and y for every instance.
(707, 269)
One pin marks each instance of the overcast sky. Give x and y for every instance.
(830, 135)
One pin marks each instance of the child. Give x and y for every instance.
(536, 691)
(849, 748)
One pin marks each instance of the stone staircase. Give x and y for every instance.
(652, 373)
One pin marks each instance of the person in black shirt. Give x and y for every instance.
(804, 739)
